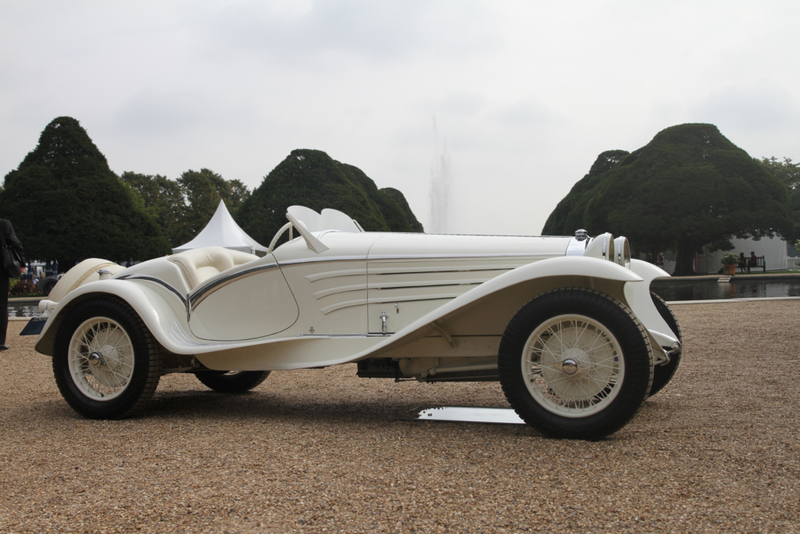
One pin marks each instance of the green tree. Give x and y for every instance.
(182, 208)
(66, 204)
(785, 171)
(202, 190)
(689, 187)
(410, 224)
(312, 178)
(569, 213)
(789, 174)
(163, 199)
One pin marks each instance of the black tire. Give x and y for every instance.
(664, 373)
(232, 381)
(106, 363)
(48, 285)
(575, 385)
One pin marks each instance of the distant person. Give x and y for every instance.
(13, 243)
(742, 261)
(753, 262)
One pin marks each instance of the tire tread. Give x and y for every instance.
(520, 327)
(141, 388)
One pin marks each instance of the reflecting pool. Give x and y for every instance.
(673, 290)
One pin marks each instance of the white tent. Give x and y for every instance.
(223, 231)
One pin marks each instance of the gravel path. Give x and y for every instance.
(324, 451)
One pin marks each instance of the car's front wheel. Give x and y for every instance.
(232, 381)
(575, 363)
(105, 361)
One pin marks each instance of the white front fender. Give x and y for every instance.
(531, 279)
(641, 302)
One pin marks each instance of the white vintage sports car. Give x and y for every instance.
(568, 325)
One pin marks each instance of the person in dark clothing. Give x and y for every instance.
(13, 243)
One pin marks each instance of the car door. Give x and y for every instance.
(247, 302)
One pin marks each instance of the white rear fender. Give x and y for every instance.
(83, 273)
(161, 312)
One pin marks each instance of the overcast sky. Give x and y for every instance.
(488, 111)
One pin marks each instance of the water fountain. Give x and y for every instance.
(440, 184)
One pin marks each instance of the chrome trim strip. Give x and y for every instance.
(383, 257)
(380, 270)
(388, 300)
(415, 298)
(196, 297)
(325, 336)
(292, 263)
(148, 278)
(378, 286)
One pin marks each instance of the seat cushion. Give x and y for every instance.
(201, 264)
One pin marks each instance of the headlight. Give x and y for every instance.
(602, 247)
(623, 249)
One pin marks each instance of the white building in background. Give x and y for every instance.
(772, 248)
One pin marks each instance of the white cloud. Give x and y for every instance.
(526, 95)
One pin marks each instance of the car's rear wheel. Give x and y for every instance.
(575, 363)
(105, 361)
(232, 381)
(665, 373)
(48, 284)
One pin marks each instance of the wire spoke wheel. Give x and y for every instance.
(575, 363)
(101, 358)
(105, 361)
(572, 365)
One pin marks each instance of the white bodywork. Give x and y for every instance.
(336, 294)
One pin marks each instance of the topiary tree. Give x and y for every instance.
(409, 222)
(312, 178)
(66, 204)
(689, 187)
(569, 213)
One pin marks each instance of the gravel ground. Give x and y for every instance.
(324, 451)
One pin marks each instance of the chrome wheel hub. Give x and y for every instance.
(95, 359)
(570, 367)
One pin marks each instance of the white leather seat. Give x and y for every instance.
(201, 264)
